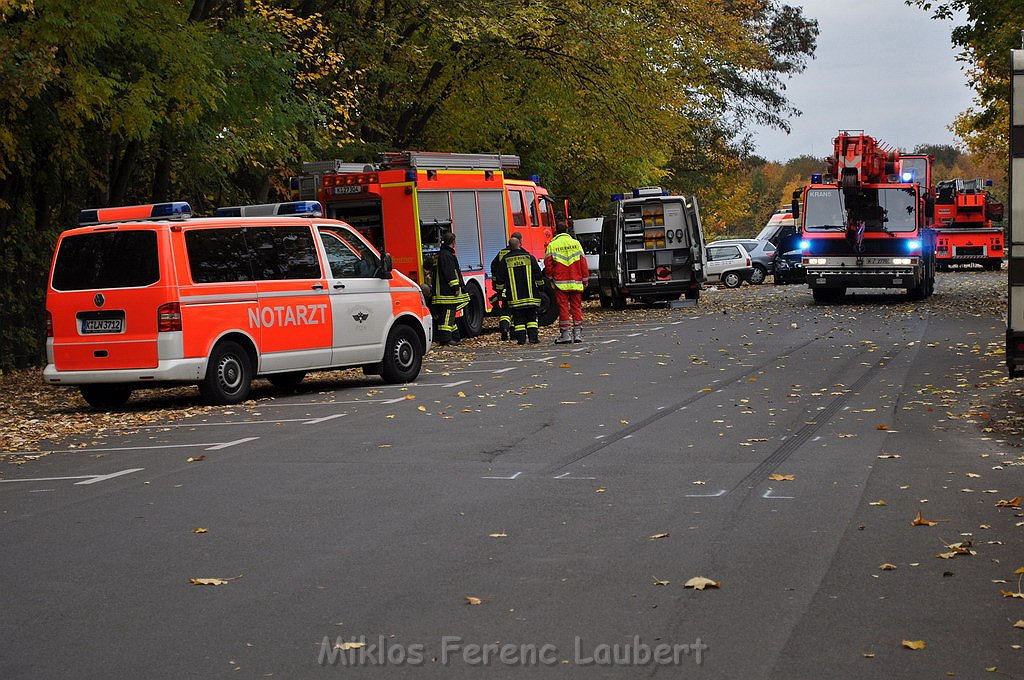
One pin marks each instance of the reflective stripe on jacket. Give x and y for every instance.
(449, 288)
(565, 264)
(521, 273)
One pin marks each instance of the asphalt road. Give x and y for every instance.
(535, 479)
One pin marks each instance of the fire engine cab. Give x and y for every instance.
(405, 201)
(964, 211)
(144, 296)
(865, 223)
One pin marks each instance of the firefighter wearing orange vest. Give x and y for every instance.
(566, 266)
(449, 292)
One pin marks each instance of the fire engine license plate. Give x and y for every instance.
(877, 260)
(349, 189)
(102, 325)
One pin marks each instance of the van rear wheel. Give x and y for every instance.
(228, 375)
(106, 397)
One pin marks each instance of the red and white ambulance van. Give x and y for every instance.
(146, 296)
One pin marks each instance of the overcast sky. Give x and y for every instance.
(880, 66)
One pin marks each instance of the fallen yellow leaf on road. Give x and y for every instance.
(624, 422)
(700, 583)
(200, 530)
(664, 535)
(498, 535)
(600, 490)
(920, 521)
(885, 456)
(913, 644)
(1012, 503)
(1007, 593)
(410, 396)
(659, 582)
(473, 600)
(878, 502)
(196, 459)
(1020, 570)
(881, 427)
(868, 655)
(208, 581)
(345, 646)
(776, 477)
(887, 567)
(1019, 624)
(565, 365)
(421, 408)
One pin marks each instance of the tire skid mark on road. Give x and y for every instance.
(801, 436)
(664, 412)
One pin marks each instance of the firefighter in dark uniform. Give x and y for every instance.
(449, 292)
(521, 278)
(499, 298)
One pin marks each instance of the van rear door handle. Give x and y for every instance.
(317, 286)
(339, 286)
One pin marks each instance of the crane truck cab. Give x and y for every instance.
(652, 248)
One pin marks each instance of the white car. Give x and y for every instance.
(729, 264)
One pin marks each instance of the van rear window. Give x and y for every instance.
(113, 259)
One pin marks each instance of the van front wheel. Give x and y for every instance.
(228, 375)
(106, 397)
(403, 356)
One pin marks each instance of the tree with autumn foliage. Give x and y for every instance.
(991, 30)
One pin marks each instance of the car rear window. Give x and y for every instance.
(111, 259)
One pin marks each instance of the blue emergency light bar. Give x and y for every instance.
(618, 197)
(293, 208)
(816, 178)
(988, 182)
(913, 244)
(534, 178)
(126, 213)
(907, 176)
(804, 244)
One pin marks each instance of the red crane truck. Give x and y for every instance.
(865, 223)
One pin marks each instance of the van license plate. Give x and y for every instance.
(102, 325)
(349, 189)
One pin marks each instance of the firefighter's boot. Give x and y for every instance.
(520, 337)
(577, 333)
(504, 326)
(564, 337)
(533, 335)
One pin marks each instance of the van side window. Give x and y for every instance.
(282, 253)
(348, 257)
(518, 214)
(217, 255)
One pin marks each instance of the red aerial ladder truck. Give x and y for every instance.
(964, 234)
(405, 201)
(864, 224)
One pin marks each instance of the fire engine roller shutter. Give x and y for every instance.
(433, 206)
(467, 230)
(492, 224)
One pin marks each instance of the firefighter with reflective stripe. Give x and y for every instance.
(499, 298)
(521, 279)
(449, 292)
(566, 266)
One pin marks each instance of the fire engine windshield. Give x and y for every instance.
(882, 209)
(824, 209)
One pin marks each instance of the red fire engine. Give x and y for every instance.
(865, 223)
(405, 201)
(964, 211)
